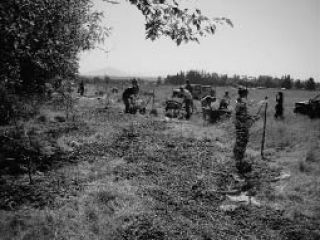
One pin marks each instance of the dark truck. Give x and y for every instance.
(310, 107)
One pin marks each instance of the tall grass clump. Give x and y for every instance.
(304, 166)
(313, 153)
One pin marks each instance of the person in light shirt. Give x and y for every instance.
(207, 103)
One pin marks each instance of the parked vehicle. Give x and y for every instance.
(309, 107)
(215, 115)
(200, 91)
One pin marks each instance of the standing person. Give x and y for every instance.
(128, 96)
(81, 88)
(279, 106)
(187, 99)
(243, 123)
(189, 87)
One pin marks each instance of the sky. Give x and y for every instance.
(269, 37)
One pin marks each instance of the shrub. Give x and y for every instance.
(313, 155)
(303, 166)
(26, 148)
(62, 99)
(14, 107)
(154, 112)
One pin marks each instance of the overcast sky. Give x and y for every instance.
(273, 37)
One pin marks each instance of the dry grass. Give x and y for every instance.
(138, 177)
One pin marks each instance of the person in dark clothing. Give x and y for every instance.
(189, 87)
(81, 88)
(279, 106)
(128, 96)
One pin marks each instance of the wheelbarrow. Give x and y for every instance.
(174, 108)
(215, 115)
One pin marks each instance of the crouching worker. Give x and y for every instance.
(187, 99)
(129, 95)
(206, 103)
(225, 101)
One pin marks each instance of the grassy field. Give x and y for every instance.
(147, 177)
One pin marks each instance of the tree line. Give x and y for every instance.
(263, 81)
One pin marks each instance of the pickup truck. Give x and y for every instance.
(309, 107)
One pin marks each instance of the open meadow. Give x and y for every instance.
(123, 176)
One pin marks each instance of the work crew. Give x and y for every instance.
(129, 95)
(188, 101)
(243, 122)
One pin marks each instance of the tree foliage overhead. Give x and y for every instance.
(167, 18)
(42, 38)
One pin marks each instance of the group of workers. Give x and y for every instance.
(209, 101)
(242, 124)
(243, 120)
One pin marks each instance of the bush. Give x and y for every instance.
(26, 148)
(14, 108)
(62, 99)
(303, 166)
(313, 155)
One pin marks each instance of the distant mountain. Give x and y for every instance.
(109, 71)
(117, 74)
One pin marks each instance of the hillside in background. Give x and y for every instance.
(115, 73)
(107, 71)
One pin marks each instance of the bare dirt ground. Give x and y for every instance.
(144, 177)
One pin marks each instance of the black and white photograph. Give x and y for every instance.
(159, 119)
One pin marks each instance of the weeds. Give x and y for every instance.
(313, 154)
(150, 181)
(304, 167)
